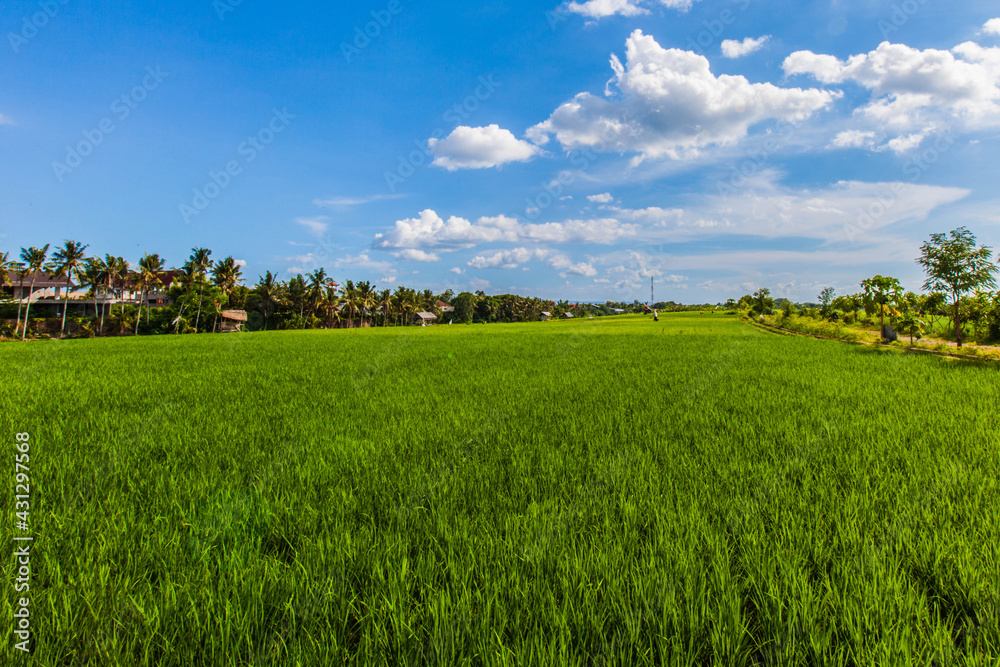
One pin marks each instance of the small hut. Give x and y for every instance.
(546, 314)
(567, 316)
(424, 318)
(232, 321)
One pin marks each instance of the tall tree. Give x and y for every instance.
(147, 277)
(200, 259)
(226, 275)
(34, 259)
(269, 291)
(66, 261)
(956, 265)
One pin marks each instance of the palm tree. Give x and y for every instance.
(202, 263)
(317, 282)
(330, 301)
(366, 298)
(268, 290)
(297, 292)
(351, 300)
(34, 259)
(186, 280)
(91, 275)
(385, 303)
(226, 275)
(66, 261)
(146, 278)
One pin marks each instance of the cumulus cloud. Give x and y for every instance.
(597, 9)
(430, 230)
(853, 139)
(507, 259)
(567, 267)
(480, 148)
(671, 105)
(316, 226)
(732, 48)
(415, 255)
(605, 198)
(913, 89)
(992, 27)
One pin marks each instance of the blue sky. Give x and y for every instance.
(565, 151)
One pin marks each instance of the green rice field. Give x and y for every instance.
(614, 491)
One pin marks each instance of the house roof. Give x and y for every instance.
(546, 313)
(567, 315)
(426, 316)
(43, 280)
(235, 315)
(442, 304)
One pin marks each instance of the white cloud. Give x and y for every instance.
(414, 255)
(597, 9)
(600, 8)
(904, 144)
(605, 198)
(732, 48)
(456, 271)
(480, 148)
(362, 261)
(242, 263)
(431, 231)
(507, 259)
(316, 226)
(567, 267)
(992, 27)
(671, 105)
(353, 201)
(853, 139)
(913, 89)
(479, 284)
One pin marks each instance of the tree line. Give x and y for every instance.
(960, 277)
(203, 288)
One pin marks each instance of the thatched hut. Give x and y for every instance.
(232, 320)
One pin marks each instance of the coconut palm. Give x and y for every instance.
(34, 259)
(366, 298)
(91, 275)
(385, 304)
(317, 283)
(297, 293)
(330, 301)
(66, 261)
(351, 300)
(147, 277)
(186, 279)
(269, 291)
(226, 275)
(200, 258)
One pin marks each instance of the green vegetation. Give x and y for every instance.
(587, 492)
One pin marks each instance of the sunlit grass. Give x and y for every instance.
(608, 491)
